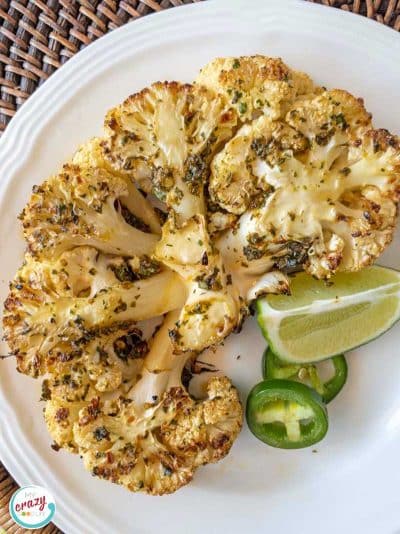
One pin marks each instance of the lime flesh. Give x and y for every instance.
(319, 319)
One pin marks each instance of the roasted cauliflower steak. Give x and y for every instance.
(150, 244)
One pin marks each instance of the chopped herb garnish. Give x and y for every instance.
(252, 253)
(242, 107)
(46, 392)
(133, 220)
(131, 347)
(148, 267)
(123, 272)
(339, 120)
(237, 95)
(101, 433)
(195, 175)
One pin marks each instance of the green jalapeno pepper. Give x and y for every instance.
(286, 414)
(309, 374)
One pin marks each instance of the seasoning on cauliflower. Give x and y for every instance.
(255, 85)
(84, 206)
(44, 321)
(154, 436)
(167, 134)
(329, 187)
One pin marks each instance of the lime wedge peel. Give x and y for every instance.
(325, 327)
(320, 305)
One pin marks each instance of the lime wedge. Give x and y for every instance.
(321, 319)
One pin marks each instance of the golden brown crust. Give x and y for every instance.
(255, 84)
(181, 435)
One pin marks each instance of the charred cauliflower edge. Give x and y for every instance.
(197, 199)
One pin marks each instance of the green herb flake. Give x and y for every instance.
(237, 95)
(46, 392)
(242, 108)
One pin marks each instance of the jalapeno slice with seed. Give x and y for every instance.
(286, 414)
(310, 374)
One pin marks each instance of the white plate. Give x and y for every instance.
(352, 483)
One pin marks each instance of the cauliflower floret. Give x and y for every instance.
(207, 318)
(329, 189)
(167, 134)
(212, 309)
(115, 356)
(60, 417)
(255, 85)
(220, 220)
(184, 247)
(234, 183)
(141, 213)
(84, 206)
(104, 360)
(43, 320)
(82, 271)
(328, 115)
(318, 129)
(99, 364)
(153, 437)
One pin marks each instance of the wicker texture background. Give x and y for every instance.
(38, 36)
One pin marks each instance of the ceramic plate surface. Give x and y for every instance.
(351, 483)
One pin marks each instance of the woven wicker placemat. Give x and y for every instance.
(38, 36)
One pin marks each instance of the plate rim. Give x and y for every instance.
(18, 141)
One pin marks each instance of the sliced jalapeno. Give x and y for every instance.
(309, 374)
(286, 414)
